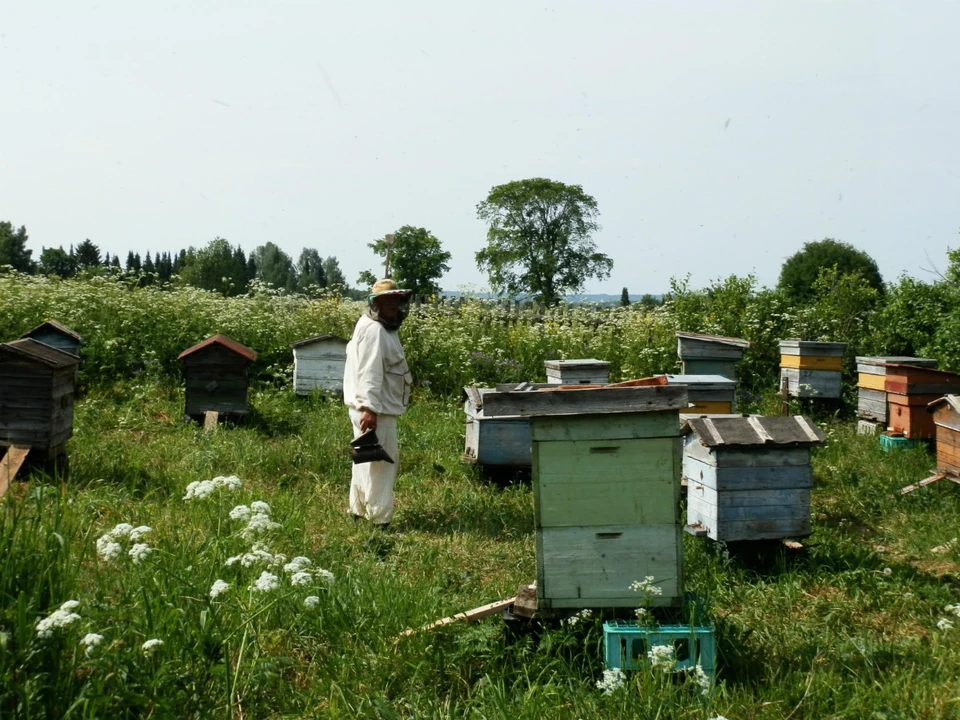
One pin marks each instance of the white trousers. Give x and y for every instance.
(371, 490)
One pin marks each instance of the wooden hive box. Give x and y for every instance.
(606, 472)
(577, 372)
(707, 394)
(871, 383)
(56, 335)
(494, 441)
(946, 418)
(37, 386)
(811, 369)
(710, 354)
(216, 372)
(909, 391)
(749, 478)
(318, 364)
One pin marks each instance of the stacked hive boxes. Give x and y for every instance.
(871, 384)
(577, 372)
(710, 354)
(811, 369)
(707, 394)
(606, 480)
(946, 417)
(909, 391)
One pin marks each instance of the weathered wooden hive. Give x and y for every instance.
(710, 354)
(946, 418)
(811, 369)
(318, 364)
(577, 372)
(56, 335)
(606, 479)
(495, 441)
(749, 478)
(37, 386)
(871, 383)
(216, 372)
(909, 391)
(707, 394)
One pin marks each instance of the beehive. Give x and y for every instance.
(871, 388)
(56, 335)
(811, 369)
(577, 372)
(318, 364)
(497, 441)
(946, 418)
(749, 478)
(909, 391)
(606, 471)
(37, 385)
(710, 354)
(707, 394)
(216, 372)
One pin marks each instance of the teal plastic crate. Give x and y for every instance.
(626, 644)
(892, 442)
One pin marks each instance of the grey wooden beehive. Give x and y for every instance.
(318, 364)
(217, 376)
(37, 386)
(56, 335)
(577, 372)
(710, 354)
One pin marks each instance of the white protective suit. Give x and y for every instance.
(376, 378)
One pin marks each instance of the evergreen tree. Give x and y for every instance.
(310, 270)
(624, 298)
(87, 255)
(13, 248)
(130, 264)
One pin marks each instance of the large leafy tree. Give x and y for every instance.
(416, 260)
(310, 270)
(13, 248)
(274, 266)
(539, 240)
(215, 267)
(333, 273)
(57, 261)
(799, 273)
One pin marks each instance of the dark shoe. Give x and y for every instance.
(356, 518)
(382, 526)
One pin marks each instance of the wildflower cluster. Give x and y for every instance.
(200, 489)
(946, 623)
(662, 656)
(646, 588)
(59, 619)
(575, 619)
(256, 516)
(90, 641)
(111, 545)
(611, 681)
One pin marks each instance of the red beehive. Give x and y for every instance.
(909, 391)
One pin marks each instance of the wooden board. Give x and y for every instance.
(946, 417)
(709, 366)
(578, 402)
(210, 419)
(503, 442)
(593, 566)
(871, 382)
(737, 457)
(809, 347)
(710, 407)
(811, 362)
(478, 613)
(606, 482)
(627, 426)
(746, 478)
(10, 464)
(812, 383)
(912, 420)
(694, 350)
(877, 365)
(700, 514)
(872, 405)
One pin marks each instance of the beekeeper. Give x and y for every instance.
(376, 389)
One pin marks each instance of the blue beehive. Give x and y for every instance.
(626, 644)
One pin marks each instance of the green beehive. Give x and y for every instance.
(606, 482)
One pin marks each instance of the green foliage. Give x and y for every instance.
(310, 272)
(274, 267)
(417, 260)
(13, 248)
(333, 273)
(215, 267)
(56, 261)
(87, 255)
(801, 270)
(624, 298)
(539, 239)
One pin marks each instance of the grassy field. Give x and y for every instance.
(853, 626)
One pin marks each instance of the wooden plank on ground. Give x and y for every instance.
(928, 481)
(210, 418)
(469, 616)
(10, 464)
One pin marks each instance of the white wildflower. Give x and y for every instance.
(612, 681)
(661, 656)
(121, 531)
(139, 532)
(91, 640)
(718, 717)
(240, 512)
(151, 645)
(955, 609)
(642, 613)
(311, 601)
(945, 624)
(108, 549)
(701, 679)
(576, 618)
(646, 586)
(218, 588)
(200, 489)
(266, 582)
(259, 506)
(298, 564)
(232, 482)
(58, 619)
(325, 575)
(301, 578)
(259, 523)
(279, 559)
(140, 552)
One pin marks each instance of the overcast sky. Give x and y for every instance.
(717, 136)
